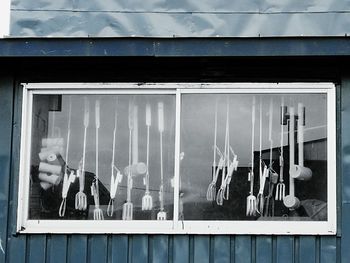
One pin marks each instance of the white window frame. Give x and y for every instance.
(174, 226)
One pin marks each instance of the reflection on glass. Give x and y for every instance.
(242, 162)
(102, 157)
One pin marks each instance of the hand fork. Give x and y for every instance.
(98, 213)
(128, 206)
(260, 197)
(147, 202)
(251, 199)
(114, 187)
(280, 188)
(211, 192)
(161, 214)
(221, 191)
(67, 180)
(232, 168)
(80, 197)
(115, 180)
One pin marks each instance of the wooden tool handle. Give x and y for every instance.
(86, 112)
(270, 119)
(97, 114)
(114, 136)
(161, 116)
(148, 115)
(301, 111)
(69, 112)
(131, 114)
(135, 136)
(253, 129)
(291, 149)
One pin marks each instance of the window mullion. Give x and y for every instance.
(177, 158)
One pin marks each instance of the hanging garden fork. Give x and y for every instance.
(281, 188)
(98, 213)
(115, 180)
(147, 202)
(67, 179)
(80, 197)
(260, 196)
(161, 214)
(270, 202)
(262, 168)
(211, 192)
(232, 167)
(128, 206)
(251, 199)
(273, 176)
(222, 189)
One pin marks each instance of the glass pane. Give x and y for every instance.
(124, 142)
(229, 139)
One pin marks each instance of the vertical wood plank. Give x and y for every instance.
(160, 248)
(285, 249)
(307, 249)
(16, 251)
(37, 249)
(97, 245)
(119, 249)
(328, 249)
(345, 238)
(263, 249)
(77, 248)
(181, 251)
(201, 248)
(6, 115)
(345, 169)
(221, 249)
(243, 249)
(232, 248)
(345, 140)
(57, 250)
(139, 251)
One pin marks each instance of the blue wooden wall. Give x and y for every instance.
(161, 248)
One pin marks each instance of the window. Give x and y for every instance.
(178, 158)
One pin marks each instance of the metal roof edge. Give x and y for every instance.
(174, 47)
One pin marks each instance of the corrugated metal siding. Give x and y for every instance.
(184, 18)
(156, 248)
